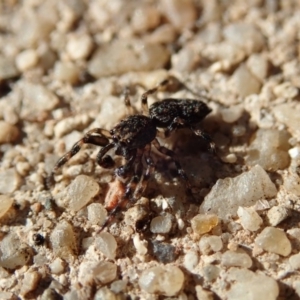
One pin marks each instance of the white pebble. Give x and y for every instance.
(144, 18)
(13, 253)
(181, 13)
(248, 285)
(274, 240)
(203, 223)
(244, 35)
(277, 214)
(286, 90)
(66, 71)
(210, 243)
(164, 280)
(81, 191)
(249, 218)
(57, 266)
(269, 149)
(294, 152)
(288, 115)
(244, 83)
(294, 261)
(161, 224)
(9, 181)
(292, 184)
(244, 190)
(5, 204)
(105, 272)
(105, 293)
(79, 46)
(236, 259)
(97, 213)
(123, 56)
(7, 68)
(107, 244)
(258, 66)
(29, 282)
(191, 260)
(140, 245)
(26, 60)
(232, 114)
(63, 240)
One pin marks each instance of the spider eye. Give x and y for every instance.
(107, 162)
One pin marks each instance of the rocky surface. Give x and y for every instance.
(64, 67)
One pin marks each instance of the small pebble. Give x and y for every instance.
(288, 115)
(140, 245)
(29, 282)
(118, 286)
(228, 194)
(249, 218)
(164, 252)
(161, 224)
(144, 18)
(244, 35)
(258, 65)
(236, 259)
(274, 240)
(181, 13)
(105, 293)
(244, 83)
(7, 68)
(210, 243)
(286, 90)
(124, 56)
(79, 46)
(81, 191)
(294, 261)
(5, 204)
(277, 214)
(107, 244)
(248, 285)
(66, 71)
(204, 223)
(232, 114)
(63, 240)
(105, 272)
(191, 260)
(96, 213)
(269, 148)
(26, 60)
(13, 253)
(164, 280)
(8, 133)
(9, 181)
(210, 272)
(57, 266)
(292, 184)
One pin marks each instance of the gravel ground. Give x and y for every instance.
(64, 67)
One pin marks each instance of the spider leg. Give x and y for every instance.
(101, 139)
(142, 185)
(105, 161)
(129, 108)
(180, 170)
(206, 137)
(130, 187)
(125, 169)
(144, 98)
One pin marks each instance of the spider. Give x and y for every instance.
(133, 137)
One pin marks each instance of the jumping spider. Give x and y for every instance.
(133, 137)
